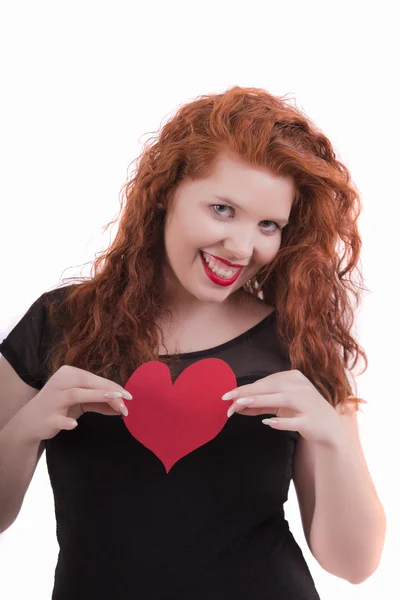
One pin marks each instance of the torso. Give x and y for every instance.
(203, 332)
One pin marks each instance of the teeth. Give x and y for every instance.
(220, 271)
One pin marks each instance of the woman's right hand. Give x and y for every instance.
(64, 398)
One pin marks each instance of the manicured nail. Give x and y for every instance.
(113, 395)
(124, 410)
(231, 410)
(269, 421)
(230, 395)
(126, 395)
(245, 401)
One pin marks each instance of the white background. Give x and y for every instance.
(83, 84)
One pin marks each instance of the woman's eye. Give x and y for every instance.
(220, 206)
(222, 213)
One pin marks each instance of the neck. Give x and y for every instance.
(189, 308)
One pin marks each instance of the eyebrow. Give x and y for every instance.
(236, 205)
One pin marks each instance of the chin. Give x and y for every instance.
(217, 296)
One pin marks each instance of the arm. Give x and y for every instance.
(18, 461)
(18, 458)
(343, 518)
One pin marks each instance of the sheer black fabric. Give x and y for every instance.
(213, 527)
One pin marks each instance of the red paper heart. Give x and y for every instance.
(173, 420)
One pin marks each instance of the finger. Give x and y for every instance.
(263, 404)
(80, 396)
(283, 423)
(61, 422)
(104, 409)
(69, 377)
(255, 412)
(282, 400)
(250, 410)
(272, 383)
(116, 402)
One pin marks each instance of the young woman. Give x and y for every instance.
(231, 269)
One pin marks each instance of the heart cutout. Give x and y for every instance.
(172, 420)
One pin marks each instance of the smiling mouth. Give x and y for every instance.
(219, 272)
(217, 259)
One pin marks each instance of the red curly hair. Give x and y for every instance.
(108, 320)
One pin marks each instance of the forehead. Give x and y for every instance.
(250, 188)
(229, 167)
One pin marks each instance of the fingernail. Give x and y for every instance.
(113, 395)
(231, 410)
(245, 401)
(230, 395)
(124, 410)
(127, 395)
(269, 421)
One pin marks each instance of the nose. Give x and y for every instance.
(240, 247)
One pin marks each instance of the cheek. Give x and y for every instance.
(193, 234)
(181, 242)
(268, 253)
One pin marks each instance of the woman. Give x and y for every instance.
(231, 269)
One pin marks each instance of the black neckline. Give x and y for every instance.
(225, 345)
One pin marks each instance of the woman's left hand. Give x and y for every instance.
(296, 402)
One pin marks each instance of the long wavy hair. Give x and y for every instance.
(108, 321)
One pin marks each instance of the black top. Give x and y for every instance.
(212, 528)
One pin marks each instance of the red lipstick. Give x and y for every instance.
(226, 262)
(214, 277)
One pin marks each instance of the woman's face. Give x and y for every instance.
(199, 228)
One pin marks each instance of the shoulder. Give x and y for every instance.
(57, 294)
